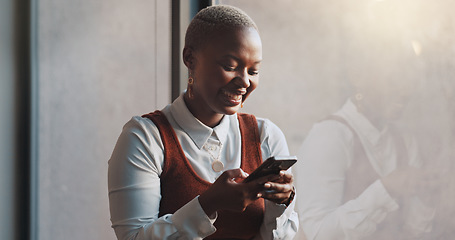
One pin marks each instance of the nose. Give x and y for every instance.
(243, 79)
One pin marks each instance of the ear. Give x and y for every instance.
(189, 58)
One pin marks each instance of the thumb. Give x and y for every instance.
(234, 174)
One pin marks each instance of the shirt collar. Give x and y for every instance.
(195, 129)
(222, 129)
(360, 123)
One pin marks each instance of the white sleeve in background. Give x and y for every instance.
(323, 160)
(280, 222)
(134, 190)
(418, 216)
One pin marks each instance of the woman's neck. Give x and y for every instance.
(371, 113)
(377, 121)
(210, 119)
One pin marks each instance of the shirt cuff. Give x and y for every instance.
(275, 210)
(366, 211)
(192, 221)
(284, 214)
(278, 216)
(420, 217)
(376, 196)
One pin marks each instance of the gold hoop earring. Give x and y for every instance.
(190, 80)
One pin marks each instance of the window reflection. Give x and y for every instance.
(388, 68)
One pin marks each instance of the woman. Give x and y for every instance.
(177, 173)
(361, 177)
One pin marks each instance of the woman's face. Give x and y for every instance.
(389, 93)
(225, 71)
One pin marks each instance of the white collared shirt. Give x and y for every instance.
(325, 156)
(136, 165)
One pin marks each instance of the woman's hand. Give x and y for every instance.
(280, 189)
(408, 181)
(228, 192)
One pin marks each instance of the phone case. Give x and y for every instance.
(272, 165)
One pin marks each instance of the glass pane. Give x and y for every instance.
(387, 68)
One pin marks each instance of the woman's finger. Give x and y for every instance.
(233, 174)
(277, 197)
(286, 177)
(278, 187)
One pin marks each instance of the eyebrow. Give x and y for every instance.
(237, 59)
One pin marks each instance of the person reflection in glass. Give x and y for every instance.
(358, 175)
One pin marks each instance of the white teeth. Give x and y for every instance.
(233, 95)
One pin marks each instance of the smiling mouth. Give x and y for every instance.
(234, 98)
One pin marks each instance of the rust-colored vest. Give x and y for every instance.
(180, 183)
(361, 174)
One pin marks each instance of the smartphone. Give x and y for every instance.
(272, 165)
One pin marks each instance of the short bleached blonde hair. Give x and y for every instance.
(213, 19)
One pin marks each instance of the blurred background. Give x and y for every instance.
(73, 72)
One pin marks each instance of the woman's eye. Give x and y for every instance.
(229, 68)
(253, 73)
